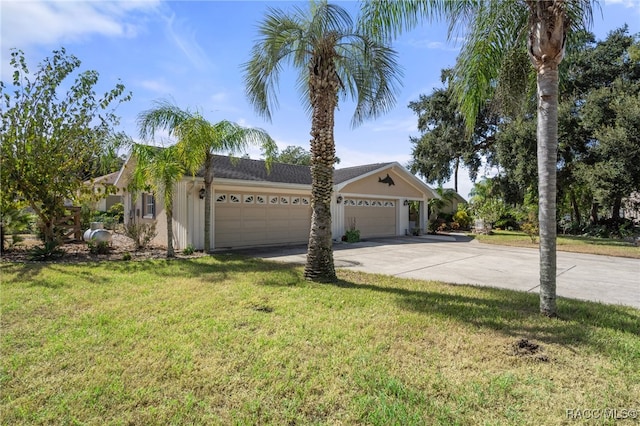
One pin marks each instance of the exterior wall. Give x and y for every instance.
(253, 218)
(371, 185)
(372, 217)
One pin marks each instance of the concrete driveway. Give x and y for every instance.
(461, 260)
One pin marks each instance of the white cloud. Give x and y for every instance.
(26, 23)
(409, 124)
(185, 40)
(431, 45)
(157, 86)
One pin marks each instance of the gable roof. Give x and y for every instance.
(348, 173)
(255, 170)
(244, 169)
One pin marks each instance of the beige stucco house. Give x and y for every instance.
(253, 207)
(103, 189)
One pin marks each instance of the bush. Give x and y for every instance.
(140, 233)
(98, 247)
(352, 235)
(188, 250)
(126, 256)
(532, 229)
(434, 225)
(49, 251)
(462, 218)
(13, 221)
(506, 221)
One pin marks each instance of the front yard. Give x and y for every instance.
(229, 340)
(571, 243)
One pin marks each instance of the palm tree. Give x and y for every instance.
(162, 169)
(496, 29)
(198, 140)
(333, 57)
(445, 198)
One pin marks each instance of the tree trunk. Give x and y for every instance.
(617, 205)
(593, 217)
(546, 49)
(169, 211)
(455, 175)
(547, 161)
(577, 217)
(208, 180)
(323, 92)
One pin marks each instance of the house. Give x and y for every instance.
(105, 193)
(256, 207)
(449, 204)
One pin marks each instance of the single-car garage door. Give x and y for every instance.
(373, 218)
(250, 219)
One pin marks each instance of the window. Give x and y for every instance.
(148, 206)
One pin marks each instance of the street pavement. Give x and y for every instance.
(461, 260)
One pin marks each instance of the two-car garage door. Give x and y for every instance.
(252, 219)
(373, 218)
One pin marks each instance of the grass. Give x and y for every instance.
(571, 243)
(229, 340)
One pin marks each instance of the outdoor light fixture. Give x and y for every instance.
(406, 202)
(339, 199)
(201, 193)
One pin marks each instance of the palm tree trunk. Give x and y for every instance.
(323, 93)
(169, 211)
(547, 134)
(208, 180)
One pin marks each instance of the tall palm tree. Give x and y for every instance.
(333, 57)
(162, 169)
(198, 140)
(495, 29)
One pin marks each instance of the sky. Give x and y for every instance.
(191, 52)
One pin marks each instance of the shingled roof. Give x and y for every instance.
(255, 170)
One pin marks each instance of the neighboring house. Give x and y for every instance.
(449, 207)
(253, 207)
(631, 207)
(103, 189)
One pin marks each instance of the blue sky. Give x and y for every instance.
(190, 52)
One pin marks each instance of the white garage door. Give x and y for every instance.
(374, 218)
(250, 219)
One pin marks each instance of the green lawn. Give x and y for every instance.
(228, 340)
(572, 243)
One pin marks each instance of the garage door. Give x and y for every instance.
(249, 219)
(374, 218)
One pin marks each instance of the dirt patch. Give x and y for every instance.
(528, 349)
(122, 247)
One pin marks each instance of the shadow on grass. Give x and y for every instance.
(210, 269)
(516, 314)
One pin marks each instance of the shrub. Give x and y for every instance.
(98, 247)
(126, 256)
(49, 251)
(434, 225)
(352, 235)
(531, 229)
(188, 250)
(140, 233)
(462, 218)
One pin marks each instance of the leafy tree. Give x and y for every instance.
(444, 144)
(295, 155)
(162, 169)
(332, 57)
(445, 198)
(54, 134)
(198, 140)
(495, 29)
